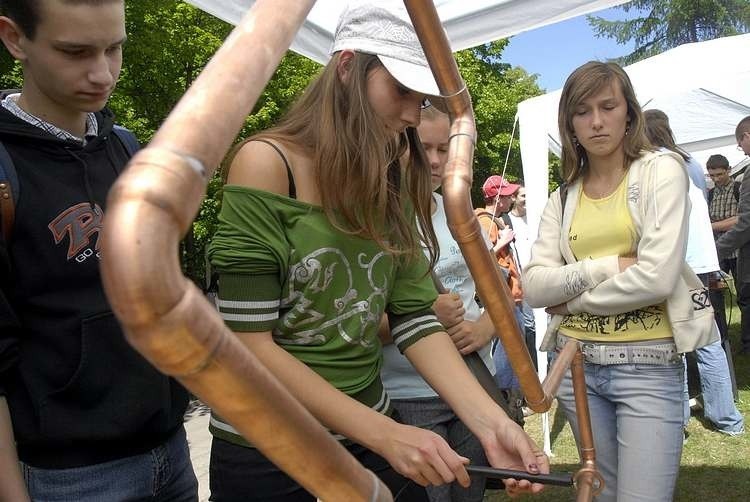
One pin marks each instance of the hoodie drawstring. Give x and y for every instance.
(652, 180)
(86, 180)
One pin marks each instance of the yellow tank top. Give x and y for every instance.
(603, 227)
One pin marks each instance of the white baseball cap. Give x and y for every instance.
(385, 30)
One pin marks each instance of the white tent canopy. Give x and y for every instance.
(468, 22)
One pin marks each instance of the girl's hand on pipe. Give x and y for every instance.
(508, 447)
(423, 456)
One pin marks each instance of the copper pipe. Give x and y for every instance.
(558, 370)
(164, 316)
(457, 180)
(465, 228)
(588, 480)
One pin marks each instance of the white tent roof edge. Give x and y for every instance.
(468, 22)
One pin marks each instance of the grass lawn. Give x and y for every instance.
(714, 467)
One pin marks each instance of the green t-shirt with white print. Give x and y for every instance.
(321, 292)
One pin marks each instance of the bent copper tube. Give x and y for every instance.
(164, 316)
(457, 180)
(465, 228)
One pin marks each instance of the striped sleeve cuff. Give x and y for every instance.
(249, 302)
(408, 329)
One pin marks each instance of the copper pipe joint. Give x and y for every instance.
(559, 368)
(588, 483)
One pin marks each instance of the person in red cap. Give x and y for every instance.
(498, 194)
(498, 199)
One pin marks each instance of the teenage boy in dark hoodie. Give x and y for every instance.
(92, 420)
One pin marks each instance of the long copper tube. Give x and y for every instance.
(164, 316)
(457, 180)
(465, 228)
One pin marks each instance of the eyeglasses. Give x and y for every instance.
(425, 104)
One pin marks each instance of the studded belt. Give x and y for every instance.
(658, 353)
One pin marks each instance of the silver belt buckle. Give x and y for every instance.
(590, 352)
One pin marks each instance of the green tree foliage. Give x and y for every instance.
(496, 88)
(169, 44)
(663, 24)
(10, 70)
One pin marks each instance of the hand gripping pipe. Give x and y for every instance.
(164, 316)
(465, 228)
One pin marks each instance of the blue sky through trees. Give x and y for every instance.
(554, 51)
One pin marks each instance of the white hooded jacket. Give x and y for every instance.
(659, 207)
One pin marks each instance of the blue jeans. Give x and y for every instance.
(529, 331)
(163, 474)
(504, 375)
(433, 414)
(636, 418)
(716, 387)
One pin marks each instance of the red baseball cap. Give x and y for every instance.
(495, 185)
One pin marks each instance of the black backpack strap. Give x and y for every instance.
(128, 139)
(506, 219)
(9, 192)
(292, 186)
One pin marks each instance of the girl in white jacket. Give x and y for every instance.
(609, 264)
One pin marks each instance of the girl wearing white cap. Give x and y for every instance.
(316, 241)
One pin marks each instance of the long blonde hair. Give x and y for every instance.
(357, 161)
(582, 83)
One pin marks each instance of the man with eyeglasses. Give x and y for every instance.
(738, 238)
